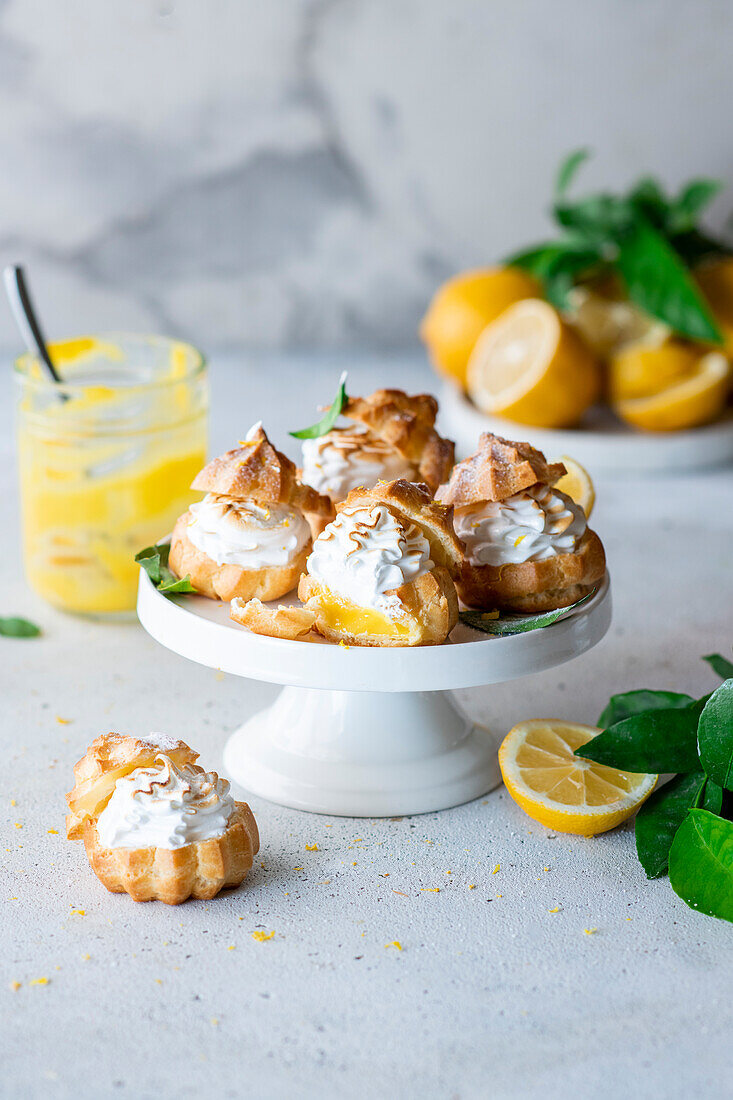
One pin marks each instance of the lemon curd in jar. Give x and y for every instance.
(106, 461)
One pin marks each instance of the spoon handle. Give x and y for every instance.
(25, 316)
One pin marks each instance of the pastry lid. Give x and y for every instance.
(498, 469)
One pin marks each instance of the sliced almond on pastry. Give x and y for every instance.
(289, 623)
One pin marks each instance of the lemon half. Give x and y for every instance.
(529, 366)
(696, 399)
(561, 790)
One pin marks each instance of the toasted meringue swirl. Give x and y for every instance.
(165, 807)
(366, 553)
(533, 525)
(346, 458)
(238, 532)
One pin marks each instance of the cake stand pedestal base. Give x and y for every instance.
(363, 753)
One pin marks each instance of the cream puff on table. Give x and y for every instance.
(154, 824)
(381, 574)
(391, 435)
(249, 536)
(528, 546)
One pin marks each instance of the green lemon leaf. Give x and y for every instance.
(154, 560)
(661, 816)
(654, 741)
(711, 797)
(568, 169)
(13, 627)
(647, 196)
(636, 702)
(598, 220)
(690, 203)
(517, 624)
(658, 281)
(721, 665)
(701, 863)
(715, 735)
(694, 246)
(330, 417)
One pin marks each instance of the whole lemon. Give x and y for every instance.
(463, 307)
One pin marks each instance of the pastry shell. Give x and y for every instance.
(258, 472)
(429, 611)
(533, 586)
(498, 469)
(406, 423)
(197, 870)
(288, 623)
(108, 758)
(225, 582)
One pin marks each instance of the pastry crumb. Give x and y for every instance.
(472, 886)
(430, 889)
(214, 1021)
(555, 910)
(261, 936)
(39, 981)
(19, 824)
(220, 675)
(55, 832)
(78, 913)
(15, 986)
(590, 931)
(497, 868)
(64, 721)
(395, 943)
(311, 847)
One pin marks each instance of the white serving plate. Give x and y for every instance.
(604, 445)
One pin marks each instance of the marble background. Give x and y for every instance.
(302, 173)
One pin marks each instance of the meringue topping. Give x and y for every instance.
(238, 532)
(366, 553)
(532, 525)
(165, 807)
(346, 458)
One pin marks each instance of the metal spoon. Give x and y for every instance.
(26, 318)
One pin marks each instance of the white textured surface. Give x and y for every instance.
(492, 994)
(296, 172)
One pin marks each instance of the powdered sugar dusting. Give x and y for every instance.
(161, 741)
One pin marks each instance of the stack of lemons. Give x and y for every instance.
(491, 332)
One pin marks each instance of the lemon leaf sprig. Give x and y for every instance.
(329, 418)
(649, 239)
(154, 560)
(686, 827)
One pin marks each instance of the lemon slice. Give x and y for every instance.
(608, 324)
(577, 484)
(641, 371)
(529, 366)
(463, 307)
(695, 400)
(561, 790)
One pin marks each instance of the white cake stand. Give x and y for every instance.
(364, 732)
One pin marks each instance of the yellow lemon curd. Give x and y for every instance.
(340, 614)
(106, 471)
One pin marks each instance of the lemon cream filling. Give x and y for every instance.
(164, 806)
(347, 458)
(365, 554)
(236, 532)
(533, 525)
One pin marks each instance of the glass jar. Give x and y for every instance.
(106, 461)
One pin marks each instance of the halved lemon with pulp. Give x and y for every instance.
(577, 484)
(529, 366)
(561, 790)
(695, 400)
(462, 308)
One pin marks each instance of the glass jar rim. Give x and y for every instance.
(44, 382)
